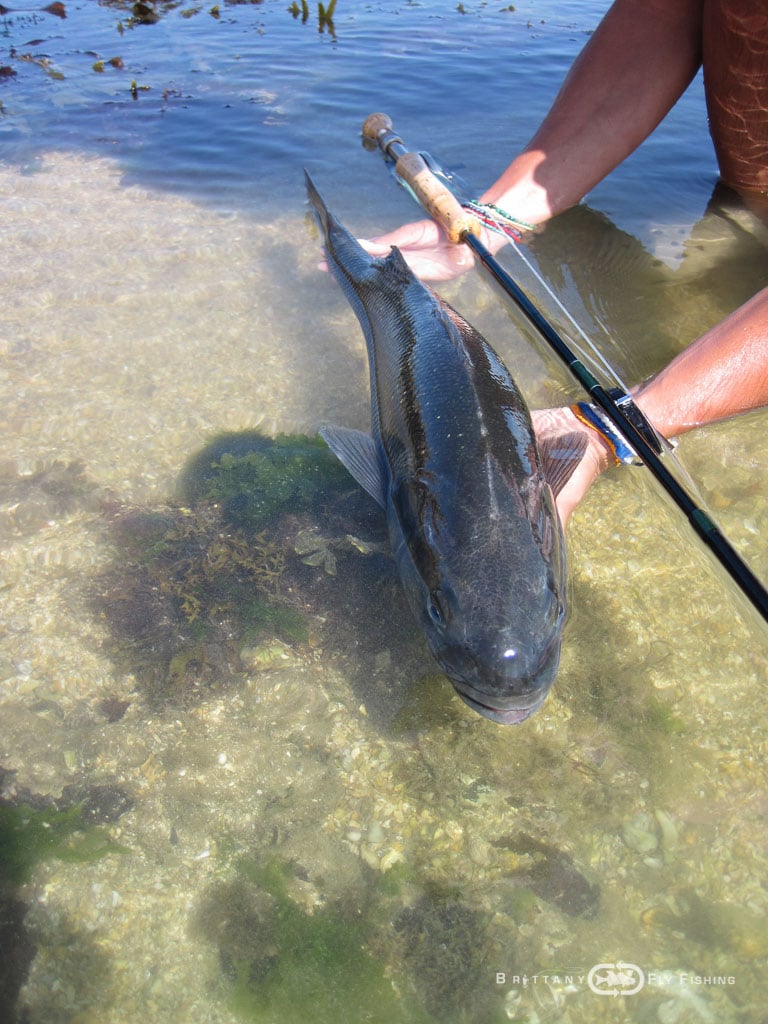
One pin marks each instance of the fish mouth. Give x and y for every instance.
(507, 701)
(504, 716)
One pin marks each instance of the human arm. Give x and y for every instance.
(721, 374)
(635, 66)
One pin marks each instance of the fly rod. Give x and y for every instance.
(443, 206)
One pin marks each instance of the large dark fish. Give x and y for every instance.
(453, 460)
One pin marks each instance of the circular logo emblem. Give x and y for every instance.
(619, 979)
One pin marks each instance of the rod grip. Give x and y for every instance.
(439, 202)
(436, 198)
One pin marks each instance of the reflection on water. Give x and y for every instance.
(317, 827)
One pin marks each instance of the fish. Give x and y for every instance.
(468, 493)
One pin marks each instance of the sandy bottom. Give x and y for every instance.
(137, 326)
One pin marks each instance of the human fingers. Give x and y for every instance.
(440, 262)
(559, 422)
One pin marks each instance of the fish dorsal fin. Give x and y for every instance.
(560, 455)
(357, 452)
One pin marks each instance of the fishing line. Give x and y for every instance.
(599, 361)
(489, 215)
(615, 404)
(596, 355)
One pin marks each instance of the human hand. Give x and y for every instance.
(426, 250)
(549, 424)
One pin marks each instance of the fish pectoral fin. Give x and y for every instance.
(357, 452)
(560, 455)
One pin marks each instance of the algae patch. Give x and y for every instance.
(256, 479)
(284, 963)
(195, 584)
(445, 947)
(29, 835)
(402, 950)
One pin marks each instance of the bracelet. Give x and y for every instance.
(639, 420)
(624, 455)
(591, 416)
(496, 219)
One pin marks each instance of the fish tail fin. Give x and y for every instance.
(349, 261)
(325, 218)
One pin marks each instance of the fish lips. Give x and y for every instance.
(504, 716)
(496, 695)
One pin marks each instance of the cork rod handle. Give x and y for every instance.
(438, 201)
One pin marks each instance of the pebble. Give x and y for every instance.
(375, 833)
(639, 834)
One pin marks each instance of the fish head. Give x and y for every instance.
(493, 615)
(497, 682)
(501, 661)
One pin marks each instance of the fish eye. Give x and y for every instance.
(435, 609)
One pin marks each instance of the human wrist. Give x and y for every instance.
(662, 414)
(518, 192)
(522, 205)
(497, 226)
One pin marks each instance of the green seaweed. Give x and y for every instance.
(192, 584)
(325, 17)
(411, 950)
(209, 571)
(29, 835)
(446, 950)
(304, 966)
(283, 620)
(660, 718)
(256, 479)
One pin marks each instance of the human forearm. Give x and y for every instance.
(723, 373)
(631, 72)
(633, 69)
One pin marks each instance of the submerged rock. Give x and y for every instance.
(551, 874)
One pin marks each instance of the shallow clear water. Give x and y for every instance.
(315, 828)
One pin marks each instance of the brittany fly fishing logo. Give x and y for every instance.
(618, 979)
